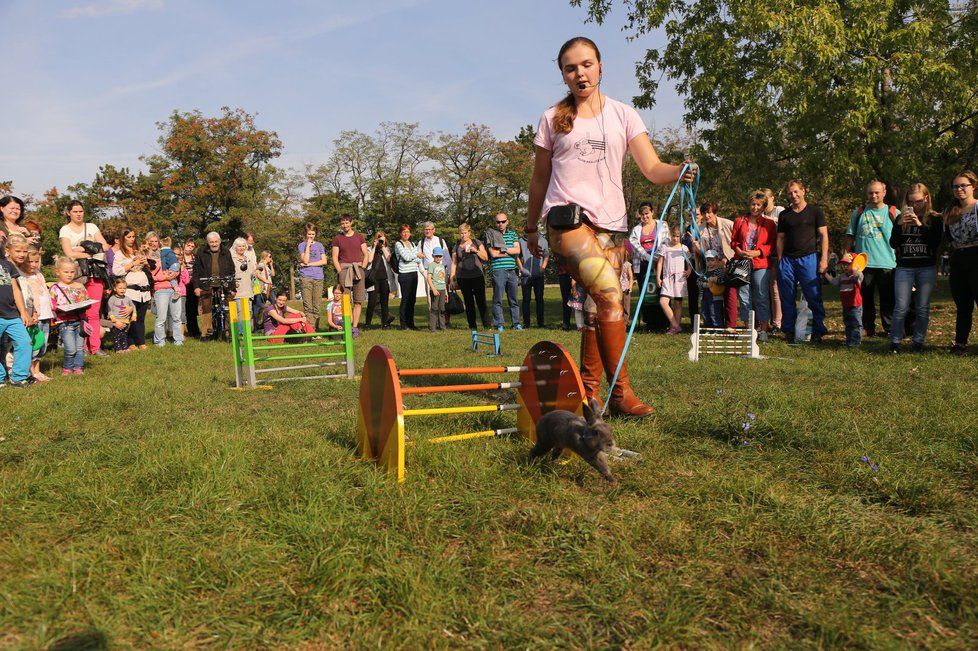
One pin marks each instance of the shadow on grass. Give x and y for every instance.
(91, 640)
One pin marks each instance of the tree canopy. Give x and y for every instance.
(835, 92)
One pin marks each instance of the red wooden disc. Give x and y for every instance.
(551, 381)
(380, 420)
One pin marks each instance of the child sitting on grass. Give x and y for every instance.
(334, 309)
(14, 317)
(280, 319)
(122, 312)
(849, 283)
(66, 292)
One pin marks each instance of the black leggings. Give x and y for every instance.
(474, 294)
(409, 290)
(964, 290)
(137, 329)
(381, 294)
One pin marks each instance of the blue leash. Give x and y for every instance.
(687, 201)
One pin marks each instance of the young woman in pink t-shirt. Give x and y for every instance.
(581, 144)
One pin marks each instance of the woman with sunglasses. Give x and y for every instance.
(961, 232)
(916, 237)
(576, 188)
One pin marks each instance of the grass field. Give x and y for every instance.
(150, 505)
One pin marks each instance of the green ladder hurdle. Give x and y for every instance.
(243, 349)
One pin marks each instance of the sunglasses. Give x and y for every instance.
(961, 186)
(502, 222)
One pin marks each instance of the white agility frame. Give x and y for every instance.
(741, 342)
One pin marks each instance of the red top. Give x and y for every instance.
(766, 236)
(349, 247)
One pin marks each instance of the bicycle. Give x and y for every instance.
(222, 288)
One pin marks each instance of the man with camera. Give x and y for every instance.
(212, 268)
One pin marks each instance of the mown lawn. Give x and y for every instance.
(150, 505)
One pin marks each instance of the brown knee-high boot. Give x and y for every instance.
(611, 342)
(591, 366)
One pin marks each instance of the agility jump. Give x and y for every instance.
(333, 344)
(741, 342)
(547, 380)
(487, 338)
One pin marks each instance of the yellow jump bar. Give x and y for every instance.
(473, 435)
(439, 411)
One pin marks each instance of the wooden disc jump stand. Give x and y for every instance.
(548, 380)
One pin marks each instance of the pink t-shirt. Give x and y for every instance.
(587, 162)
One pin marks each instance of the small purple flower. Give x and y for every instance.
(874, 467)
(751, 416)
(746, 425)
(864, 460)
(719, 392)
(745, 442)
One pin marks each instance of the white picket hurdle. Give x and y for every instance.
(724, 341)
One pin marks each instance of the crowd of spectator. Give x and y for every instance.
(105, 283)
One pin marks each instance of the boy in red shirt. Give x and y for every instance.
(849, 281)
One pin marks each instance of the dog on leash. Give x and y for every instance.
(588, 436)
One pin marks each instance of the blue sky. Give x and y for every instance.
(92, 77)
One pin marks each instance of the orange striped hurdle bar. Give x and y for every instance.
(547, 380)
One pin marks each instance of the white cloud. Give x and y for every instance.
(107, 7)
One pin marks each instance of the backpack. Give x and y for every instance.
(395, 260)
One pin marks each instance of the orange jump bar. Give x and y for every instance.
(451, 388)
(413, 372)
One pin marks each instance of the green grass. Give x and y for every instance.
(150, 505)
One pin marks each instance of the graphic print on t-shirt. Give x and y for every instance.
(589, 150)
(871, 226)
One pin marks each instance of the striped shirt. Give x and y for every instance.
(509, 261)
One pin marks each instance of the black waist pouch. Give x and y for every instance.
(566, 217)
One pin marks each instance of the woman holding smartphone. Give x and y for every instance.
(916, 237)
(576, 188)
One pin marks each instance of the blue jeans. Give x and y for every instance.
(756, 296)
(177, 318)
(803, 271)
(904, 280)
(73, 344)
(17, 332)
(504, 280)
(853, 319)
(167, 309)
(711, 313)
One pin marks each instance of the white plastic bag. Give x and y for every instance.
(803, 322)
